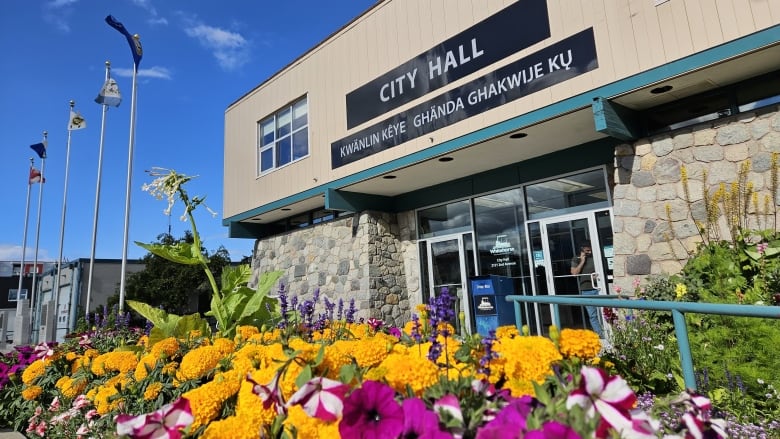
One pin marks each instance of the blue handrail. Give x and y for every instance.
(678, 310)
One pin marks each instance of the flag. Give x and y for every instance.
(109, 94)
(135, 43)
(76, 122)
(40, 148)
(36, 177)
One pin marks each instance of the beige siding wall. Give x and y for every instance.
(631, 36)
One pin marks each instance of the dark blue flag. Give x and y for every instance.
(40, 148)
(135, 43)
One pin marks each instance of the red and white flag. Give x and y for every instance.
(36, 177)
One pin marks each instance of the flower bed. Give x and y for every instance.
(335, 378)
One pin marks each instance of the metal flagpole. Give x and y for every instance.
(56, 283)
(37, 240)
(129, 185)
(24, 235)
(97, 199)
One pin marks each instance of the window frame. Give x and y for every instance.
(279, 139)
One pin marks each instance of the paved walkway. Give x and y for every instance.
(8, 434)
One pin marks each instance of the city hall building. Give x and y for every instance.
(431, 141)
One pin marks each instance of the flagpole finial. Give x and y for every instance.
(45, 134)
(72, 103)
(108, 64)
(32, 161)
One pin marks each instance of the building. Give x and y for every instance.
(427, 142)
(73, 286)
(9, 296)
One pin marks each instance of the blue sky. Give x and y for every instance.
(199, 56)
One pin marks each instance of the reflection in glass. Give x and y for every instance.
(445, 219)
(573, 193)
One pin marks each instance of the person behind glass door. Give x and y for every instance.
(583, 266)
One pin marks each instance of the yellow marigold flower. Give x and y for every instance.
(519, 387)
(421, 308)
(249, 406)
(145, 364)
(32, 392)
(33, 371)
(71, 387)
(116, 361)
(170, 368)
(367, 352)
(152, 390)
(224, 346)
(308, 350)
(206, 401)
(165, 348)
(70, 356)
(507, 331)
(247, 331)
(199, 361)
(309, 427)
(143, 341)
(233, 427)
(525, 359)
(106, 397)
(334, 358)
(416, 371)
(581, 343)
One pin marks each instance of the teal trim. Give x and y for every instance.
(244, 230)
(677, 308)
(615, 120)
(696, 61)
(355, 202)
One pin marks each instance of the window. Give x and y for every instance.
(13, 295)
(283, 137)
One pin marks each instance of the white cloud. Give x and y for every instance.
(156, 72)
(229, 48)
(146, 4)
(13, 252)
(58, 12)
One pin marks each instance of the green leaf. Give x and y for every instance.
(181, 252)
(320, 356)
(268, 280)
(189, 323)
(159, 318)
(234, 277)
(304, 376)
(347, 373)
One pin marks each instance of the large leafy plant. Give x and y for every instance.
(234, 303)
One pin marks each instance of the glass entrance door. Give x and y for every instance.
(556, 245)
(448, 263)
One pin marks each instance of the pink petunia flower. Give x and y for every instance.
(80, 402)
(161, 424)
(553, 430)
(371, 412)
(449, 404)
(608, 396)
(44, 350)
(321, 398)
(419, 422)
(270, 394)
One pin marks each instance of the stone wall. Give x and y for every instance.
(366, 257)
(648, 182)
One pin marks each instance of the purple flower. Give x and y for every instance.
(371, 412)
(553, 430)
(510, 420)
(419, 422)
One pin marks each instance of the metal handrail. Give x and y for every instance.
(678, 310)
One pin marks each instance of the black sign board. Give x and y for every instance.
(554, 64)
(514, 28)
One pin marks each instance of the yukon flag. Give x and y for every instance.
(36, 177)
(109, 94)
(76, 121)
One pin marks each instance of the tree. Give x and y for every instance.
(178, 288)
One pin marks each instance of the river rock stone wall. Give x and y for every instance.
(648, 238)
(366, 257)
